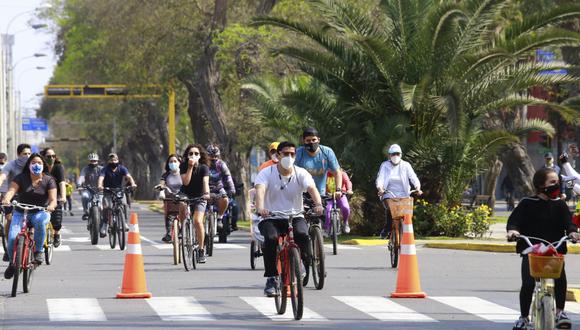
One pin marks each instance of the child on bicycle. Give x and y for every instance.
(169, 186)
(544, 216)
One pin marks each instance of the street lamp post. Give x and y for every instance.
(18, 133)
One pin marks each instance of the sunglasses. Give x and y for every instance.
(396, 154)
(194, 153)
(50, 156)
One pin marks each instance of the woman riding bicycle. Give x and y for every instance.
(171, 184)
(195, 177)
(220, 181)
(544, 216)
(341, 203)
(394, 181)
(35, 187)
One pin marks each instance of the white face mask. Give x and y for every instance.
(274, 157)
(287, 162)
(395, 160)
(195, 158)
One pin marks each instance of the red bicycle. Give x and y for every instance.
(23, 250)
(289, 282)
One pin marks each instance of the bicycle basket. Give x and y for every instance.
(400, 206)
(546, 266)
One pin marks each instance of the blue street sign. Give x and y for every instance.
(547, 57)
(34, 124)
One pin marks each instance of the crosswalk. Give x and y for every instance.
(374, 308)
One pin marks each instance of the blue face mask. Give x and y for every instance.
(36, 168)
(173, 167)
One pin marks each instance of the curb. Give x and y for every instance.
(572, 294)
(486, 247)
(365, 242)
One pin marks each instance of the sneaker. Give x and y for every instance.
(383, 234)
(521, 324)
(103, 231)
(71, 214)
(9, 272)
(5, 257)
(562, 321)
(38, 257)
(346, 228)
(271, 285)
(220, 224)
(56, 240)
(234, 227)
(166, 238)
(202, 258)
(302, 270)
(126, 226)
(85, 217)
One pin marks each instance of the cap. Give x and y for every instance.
(395, 148)
(113, 155)
(548, 155)
(310, 131)
(273, 146)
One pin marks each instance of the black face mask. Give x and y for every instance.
(312, 147)
(92, 165)
(113, 165)
(552, 191)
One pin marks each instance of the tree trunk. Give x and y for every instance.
(520, 169)
(491, 181)
(265, 7)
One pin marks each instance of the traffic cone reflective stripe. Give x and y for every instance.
(408, 281)
(134, 284)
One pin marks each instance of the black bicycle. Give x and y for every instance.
(94, 207)
(190, 248)
(315, 256)
(116, 217)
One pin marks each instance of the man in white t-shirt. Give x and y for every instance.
(279, 188)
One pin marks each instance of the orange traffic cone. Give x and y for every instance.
(408, 282)
(134, 283)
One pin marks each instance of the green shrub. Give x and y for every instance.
(439, 220)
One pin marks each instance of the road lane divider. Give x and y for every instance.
(480, 308)
(75, 310)
(179, 309)
(266, 307)
(383, 309)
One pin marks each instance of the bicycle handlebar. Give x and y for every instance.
(28, 207)
(527, 240)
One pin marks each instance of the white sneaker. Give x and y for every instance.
(346, 229)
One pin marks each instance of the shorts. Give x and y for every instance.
(199, 207)
(220, 192)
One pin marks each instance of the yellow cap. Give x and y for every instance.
(274, 146)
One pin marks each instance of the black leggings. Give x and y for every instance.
(528, 284)
(271, 229)
(56, 217)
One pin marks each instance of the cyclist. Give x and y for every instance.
(3, 160)
(280, 188)
(69, 191)
(341, 203)
(89, 177)
(171, 184)
(56, 170)
(318, 160)
(36, 187)
(273, 157)
(545, 216)
(195, 177)
(112, 176)
(220, 178)
(394, 181)
(8, 173)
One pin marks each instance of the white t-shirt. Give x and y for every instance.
(284, 194)
(396, 184)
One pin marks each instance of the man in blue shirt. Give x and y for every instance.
(112, 176)
(318, 160)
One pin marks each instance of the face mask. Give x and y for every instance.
(21, 160)
(174, 167)
(274, 158)
(50, 161)
(195, 158)
(550, 163)
(287, 162)
(312, 147)
(36, 168)
(1, 167)
(92, 165)
(114, 165)
(552, 191)
(395, 160)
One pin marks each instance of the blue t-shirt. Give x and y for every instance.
(114, 179)
(318, 165)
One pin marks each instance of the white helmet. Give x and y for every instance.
(93, 156)
(395, 148)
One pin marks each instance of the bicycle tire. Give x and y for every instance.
(175, 240)
(121, 233)
(394, 246)
(112, 231)
(17, 264)
(3, 233)
(546, 313)
(334, 229)
(317, 263)
(253, 251)
(94, 225)
(187, 246)
(281, 296)
(48, 246)
(210, 234)
(223, 234)
(309, 255)
(28, 271)
(296, 293)
(194, 245)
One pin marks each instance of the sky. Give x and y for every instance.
(27, 42)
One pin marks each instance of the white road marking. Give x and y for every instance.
(75, 310)
(65, 230)
(222, 246)
(62, 248)
(179, 309)
(77, 239)
(163, 246)
(104, 247)
(573, 307)
(384, 309)
(481, 308)
(149, 240)
(267, 307)
(342, 247)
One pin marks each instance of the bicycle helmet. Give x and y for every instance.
(93, 156)
(212, 150)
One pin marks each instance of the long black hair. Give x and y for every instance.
(26, 168)
(203, 159)
(45, 150)
(540, 177)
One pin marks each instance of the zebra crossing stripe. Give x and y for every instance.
(383, 309)
(179, 309)
(342, 247)
(480, 308)
(266, 306)
(62, 248)
(75, 310)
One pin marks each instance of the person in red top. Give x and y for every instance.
(342, 203)
(273, 157)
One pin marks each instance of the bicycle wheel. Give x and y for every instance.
(48, 246)
(112, 230)
(121, 233)
(175, 240)
(194, 245)
(28, 271)
(334, 230)
(545, 314)
(309, 255)
(187, 246)
(318, 270)
(2, 233)
(223, 234)
(296, 294)
(253, 251)
(394, 245)
(210, 234)
(281, 296)
(17, 263)
(94, 217)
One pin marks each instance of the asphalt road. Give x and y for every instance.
(467, 290)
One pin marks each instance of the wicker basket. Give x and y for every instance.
(546, 266)
(400, 207)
